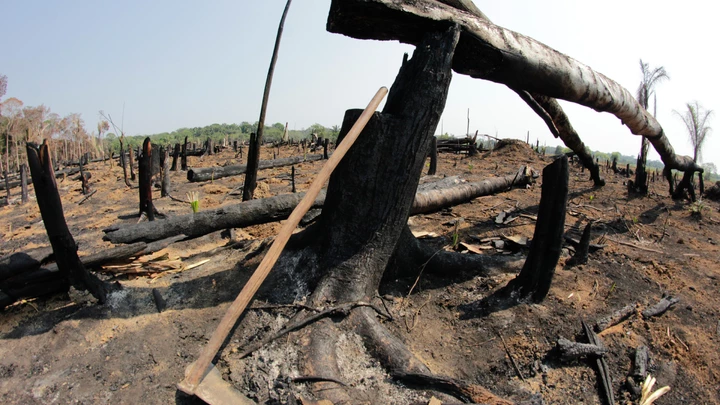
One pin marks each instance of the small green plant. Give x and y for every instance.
(193, 199)
(696, 209)
(592, 197)
(635, 220)
(470, 167)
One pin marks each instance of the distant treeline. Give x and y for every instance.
(218, 132)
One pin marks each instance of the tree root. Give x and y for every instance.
(404, 366)
(296, 324)
(412, 254)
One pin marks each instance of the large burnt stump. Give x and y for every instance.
(62, 242)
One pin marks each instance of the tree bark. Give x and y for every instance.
(536, 276)
(145, 171)
(493, 53)
(218, 172)
(254, 152)
(63, 244)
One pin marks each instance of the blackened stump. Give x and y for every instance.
(145, 169)
(62, 242)
(536, 276)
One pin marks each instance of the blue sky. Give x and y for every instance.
(183, 64)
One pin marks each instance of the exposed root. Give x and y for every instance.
(404, 366)
(296, 324)
(320, 361)
(411, 254)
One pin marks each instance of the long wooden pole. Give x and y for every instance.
(200, 367)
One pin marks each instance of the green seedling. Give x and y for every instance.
(193, 199)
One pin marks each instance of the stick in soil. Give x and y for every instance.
(660, 308)
(512, 359)
(614, 318)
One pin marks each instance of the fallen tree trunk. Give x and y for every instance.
(29, 280)
(490, 52)
(58, 173)
(279, 207)
(433, 200)
(213, 173)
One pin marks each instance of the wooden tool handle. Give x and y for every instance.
(236, 309)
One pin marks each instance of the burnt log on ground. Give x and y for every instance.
(63, 244)
(212, 173)
(277, 208)
(28, 279)
(58, 173)
(490, 52)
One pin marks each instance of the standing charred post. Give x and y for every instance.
(183, 158)
(23, 184)
(165, 188)
(433, 157)
(123, 162)
(62, 242)
(131, 152)
(292, 177)
(254, 152)
(326, 142)
(175, 155)
(536, 275)
(145, 169)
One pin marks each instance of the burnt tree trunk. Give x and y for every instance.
(145, 169)
(641, 176)
(536, 276)
(251, 168)
(131, 158)
(175, 155)
(123, 163)
(23, 184)
(254, 152)
(433, 157)
(183, 158)
(165, 187)
(62, 242)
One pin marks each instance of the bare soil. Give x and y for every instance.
(56, 350)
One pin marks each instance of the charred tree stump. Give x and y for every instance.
(123, 163)
(175, 155)
(686, 187)
(583, 249)
(7, 188)
(145, 169)
(252, 168)
(183, 157)
(23, 184)
(131, 152)
(235, 146)
(536, 276)
(325, 148)
(433, 157)
(63, 244)
(292, 176)
(165, 187)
